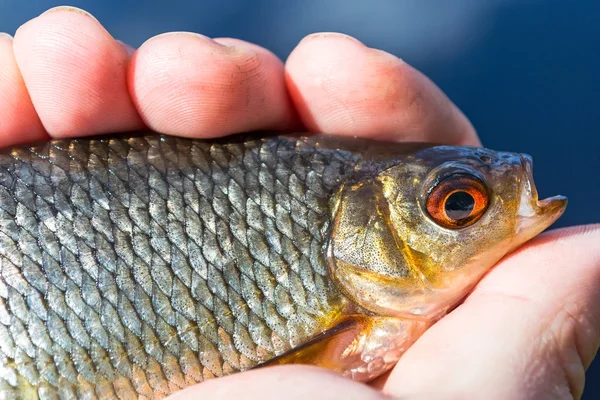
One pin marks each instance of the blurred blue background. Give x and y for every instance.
(527, 73)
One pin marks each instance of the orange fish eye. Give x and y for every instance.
(457, 201)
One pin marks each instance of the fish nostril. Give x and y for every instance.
(485, 159)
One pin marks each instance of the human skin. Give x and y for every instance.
(527, 331)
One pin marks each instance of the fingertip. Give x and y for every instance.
(187, 84)
(19, 122)
(75, 73)
(339, 85)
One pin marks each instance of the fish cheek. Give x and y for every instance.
(367, 261)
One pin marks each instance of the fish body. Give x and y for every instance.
(135, 266)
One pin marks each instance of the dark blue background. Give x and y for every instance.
(525, 72)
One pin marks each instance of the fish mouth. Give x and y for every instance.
(535, 215)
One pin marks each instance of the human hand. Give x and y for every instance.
(528, 330)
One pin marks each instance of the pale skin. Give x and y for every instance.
(528, 330)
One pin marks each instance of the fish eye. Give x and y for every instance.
(457, 201)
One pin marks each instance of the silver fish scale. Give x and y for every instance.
(133, 267)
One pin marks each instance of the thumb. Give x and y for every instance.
(528, 330)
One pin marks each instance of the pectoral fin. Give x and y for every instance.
(329, 348)
(359, 346)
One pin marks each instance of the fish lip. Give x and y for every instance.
(536, 215)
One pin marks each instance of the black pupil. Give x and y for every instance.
(459, 205)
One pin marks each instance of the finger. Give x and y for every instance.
(19, 122)
(189, 85)
(527, 331)
(76, 74)
(286, 382)
(339, 85)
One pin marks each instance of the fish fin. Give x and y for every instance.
(326, 348)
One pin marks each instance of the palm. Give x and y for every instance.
(529, 328)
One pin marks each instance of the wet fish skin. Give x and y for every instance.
(116, 259)
(139, 265)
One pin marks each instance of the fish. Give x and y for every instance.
(136, 265)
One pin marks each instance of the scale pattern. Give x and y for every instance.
(133, 267)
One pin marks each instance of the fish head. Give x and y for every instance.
(412, 238)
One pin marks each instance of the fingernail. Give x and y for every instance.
(129, 49)
(70, 9)
(192, 34)
(321, 35)
(387, 56)
(6, 35)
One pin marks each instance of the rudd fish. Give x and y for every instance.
(134, 266)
